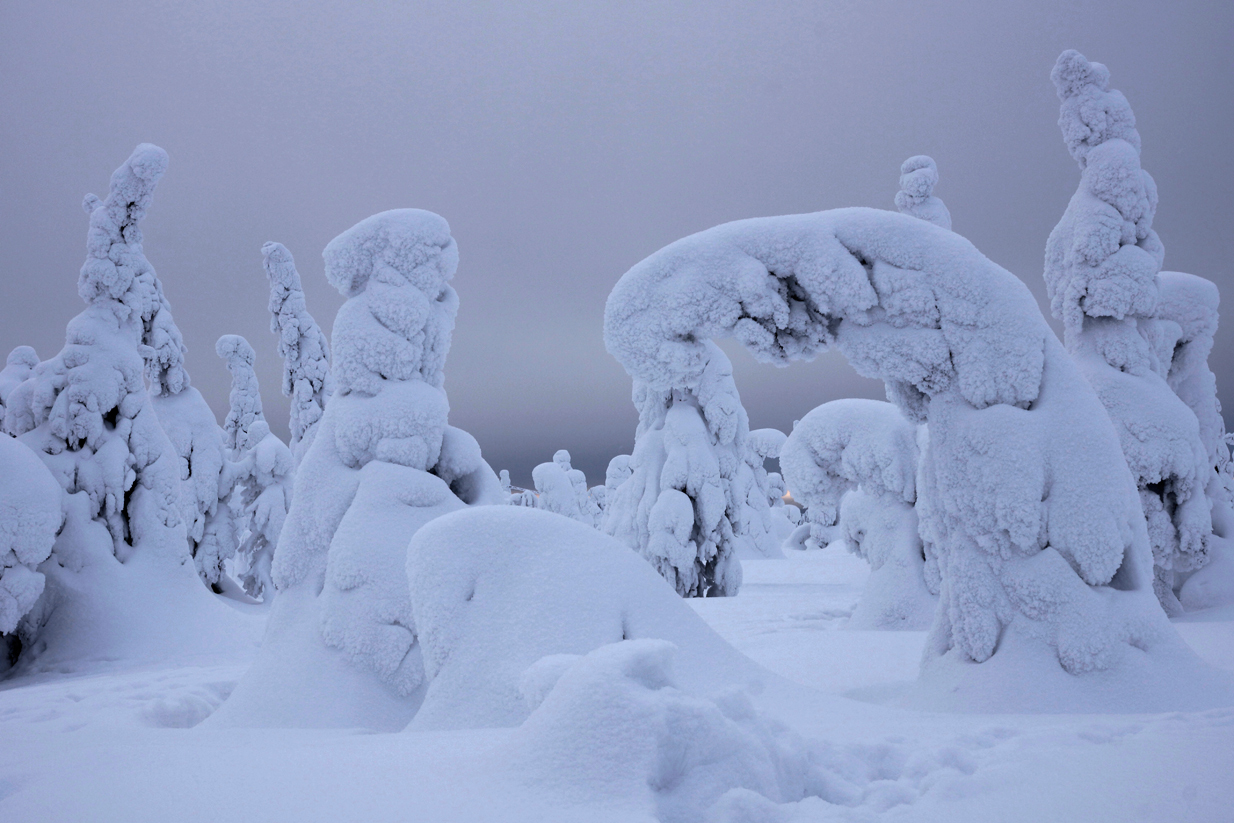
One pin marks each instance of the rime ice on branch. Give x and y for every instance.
(1101, 269)
(302, 345)
(1022, 486)
(342, 647)
(918, 177)
(856, 461)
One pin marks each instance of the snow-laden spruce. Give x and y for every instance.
(855, 461)
(119, 582)
(261, 470)
(1101, 270)
(694, 500)
(19, 365)
(31, 513)
(1041, 543)
(302, 345)
(562, 489)
(341, 648)
(918, 177)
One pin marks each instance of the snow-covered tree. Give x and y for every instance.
(118, 581)
(20, 364)
(302, 345)
(918, 177)
(1101, 266)
(262, 472)
(1022, 487)
(341, 648)
(31, 514)
(681, 507)
(562, 489)
(855, 461)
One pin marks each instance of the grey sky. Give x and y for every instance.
(565, 141)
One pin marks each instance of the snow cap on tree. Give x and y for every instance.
(21, 362)
(302, 345)
(918, 177)
(1103, 257)
(245, 397)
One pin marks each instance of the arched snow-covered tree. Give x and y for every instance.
(1101, 267)
(302, 345)
(1041, 543)
(855, 461)
(341, 648)
(262, 473)
(918, 177)
(118, 581)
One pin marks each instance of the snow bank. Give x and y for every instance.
(855, 462)
(496, 589)
(1101, 267)
(302, 345)
(1022, 485)
(918, 177)
(341, 648)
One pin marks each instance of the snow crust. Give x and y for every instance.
(341, 648)
(1101, 271)
(495, 589)
(302, 345)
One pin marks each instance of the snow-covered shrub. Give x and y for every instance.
(119, 584)
(341, 646)
(1022, 486)
(262, 472)
(1101, 266)
(495, 589)
(918, 177)
(31, 514)
(302, 345)
(21, 362)
(855, 461)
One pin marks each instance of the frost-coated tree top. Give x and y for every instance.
(918, 177)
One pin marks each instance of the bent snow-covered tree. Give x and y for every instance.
(341, 648)
(1101, 267)
(118, 583)
(918, 177)
(302, 345)
(856, 461)
(1034, 514)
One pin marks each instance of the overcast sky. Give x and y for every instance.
(564, 142)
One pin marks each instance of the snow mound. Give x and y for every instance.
(496, 589)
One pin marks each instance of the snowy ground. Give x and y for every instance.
(118, 744)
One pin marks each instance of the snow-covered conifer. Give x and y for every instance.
(556, 493)
(342, 648)
(1022, 487)
(856, 461)
(918, 177)
(262, 471)
(20, 364)
(31, 514)
(1101, 267)
(302, 345)
(87, 413)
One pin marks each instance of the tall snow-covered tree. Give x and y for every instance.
(918, 177)
(119, 582)
(855, 461)
(1041, 542)
(341, 649)
(302, 345)
(262, 473)
(1101, 270)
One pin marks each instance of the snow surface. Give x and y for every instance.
(124, 735)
